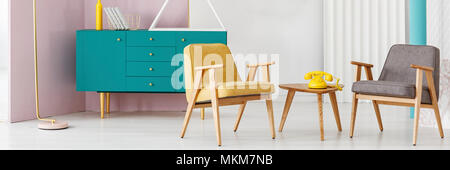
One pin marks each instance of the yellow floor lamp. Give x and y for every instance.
(47, 124)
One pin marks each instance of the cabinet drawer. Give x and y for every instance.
(145, 69)
(147, 38)
(150, 84)
(192, 37)
(150, 53)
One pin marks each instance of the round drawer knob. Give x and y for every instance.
(183, 40)
(151, 69)
(118, 39)
(151, 39)
(150, 84)
(151, 54)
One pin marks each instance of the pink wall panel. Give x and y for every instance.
(58, 20)
(174, 16)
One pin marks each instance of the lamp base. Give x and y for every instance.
(53, 126)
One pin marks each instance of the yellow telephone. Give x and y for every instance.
(318, 82)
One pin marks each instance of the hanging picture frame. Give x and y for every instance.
(164, 7)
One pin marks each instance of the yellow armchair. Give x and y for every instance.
(222, 86)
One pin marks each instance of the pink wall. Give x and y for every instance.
(57, 22)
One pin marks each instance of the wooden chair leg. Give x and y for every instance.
(215, 108)
(354, 110)
(287, 107)
(271, 120)
(375, 104)
(378, 113)
(417, 105)
(215, 104)
(416, 122)
(239, 116)
(438, 119)
(355, 100)
(432, 90)
(189, 110)
(202, 113)
(336, 110)
(187, 118)
(102, 105)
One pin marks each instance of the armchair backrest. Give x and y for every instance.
(397, 67)
(197, 55)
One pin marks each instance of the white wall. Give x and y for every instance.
(4, 34)
(291, 28)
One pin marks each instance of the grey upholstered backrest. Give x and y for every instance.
(398, 64)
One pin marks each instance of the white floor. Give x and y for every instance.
(160, 130)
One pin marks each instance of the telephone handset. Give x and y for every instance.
(317, 81)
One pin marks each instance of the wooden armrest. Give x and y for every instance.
(254, 67)
(209, 67)
(362, 64)
(261, 64)
(201, 70)
(425, 68)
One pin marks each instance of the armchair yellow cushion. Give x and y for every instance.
(235, 89)
(229, 83)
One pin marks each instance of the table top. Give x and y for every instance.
(305, 88)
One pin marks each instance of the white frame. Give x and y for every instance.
(163, 8)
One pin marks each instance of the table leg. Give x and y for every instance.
(287, 107)
(319, 98)
(335, 110)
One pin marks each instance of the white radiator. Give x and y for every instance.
(438, 30)
(360, 30)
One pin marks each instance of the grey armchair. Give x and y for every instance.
(401, 83)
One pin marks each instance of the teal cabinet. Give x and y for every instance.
(135, 61)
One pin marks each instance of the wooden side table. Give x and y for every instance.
(293, 88)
